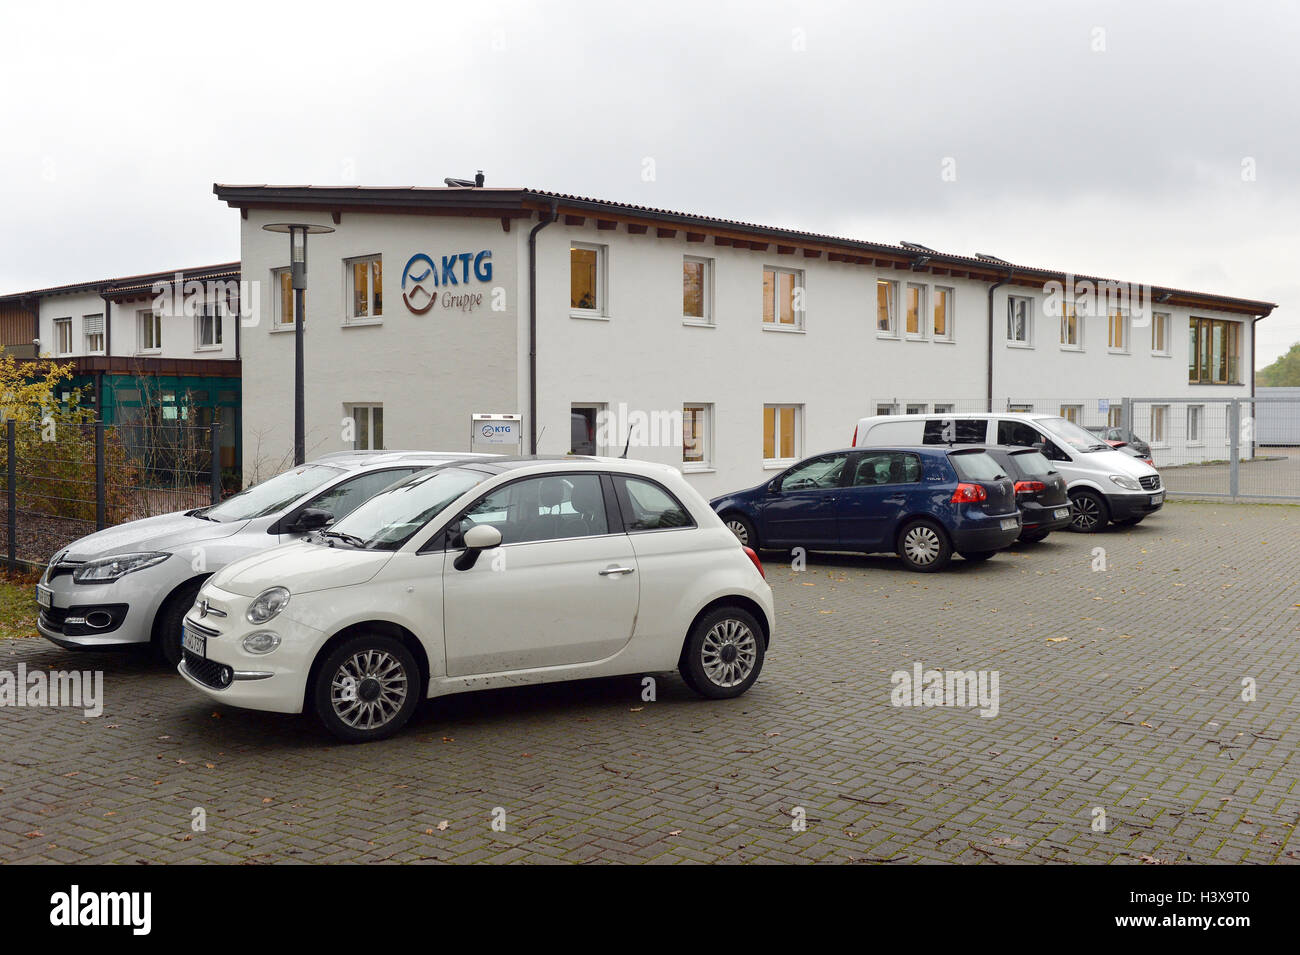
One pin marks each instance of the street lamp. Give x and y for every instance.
(298, 232)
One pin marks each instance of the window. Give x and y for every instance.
(367, 427)
(886, 409)
(886, 467)
(1160, 333)
(1020, 408)
(149, 331)
(583, 422)
(943, 408)
(1019, 320)
(914, 314)
(1018, 434)
(781, 424)
(1195, 414)
(587, 279)
(943, 317)
(818, 474)
(365, 296)
(647, 506)
(1214, 352)
(554, 507)
(782, 298)
(345, 496)
(886, 305)
(63, 336)
(282, 305)
(697, 437)
(208, 325)
(916, 409)
(955, 431)
(1072, 413)
(1119, 325)
(93, 329)
(1159, 415)
(697, 290)
(1115, 416)
(1070, 326)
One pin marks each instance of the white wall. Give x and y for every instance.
(179, 332)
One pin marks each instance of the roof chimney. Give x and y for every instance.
(478, 179)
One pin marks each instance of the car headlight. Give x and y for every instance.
(107, 569)
(264, 641)
(1126, 482)
(267, 604)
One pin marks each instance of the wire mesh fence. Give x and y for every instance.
(60, 481)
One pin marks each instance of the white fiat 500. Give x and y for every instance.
(484, 574)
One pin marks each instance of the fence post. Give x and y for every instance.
(101, 482)
(215, 464)
(1126, 414)
(11, 442)
(1234, 438)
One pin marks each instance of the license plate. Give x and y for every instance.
(1062, 512)
(1010, 524)
(44, 597)
(196, 643)
(1157, 498)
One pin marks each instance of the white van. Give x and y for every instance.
(1104, 484)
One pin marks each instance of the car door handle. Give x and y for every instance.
(610, 571)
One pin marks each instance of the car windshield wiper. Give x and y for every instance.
(349, 538)
(202, 514)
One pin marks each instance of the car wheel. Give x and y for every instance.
(1033, 537)
(167, 636)
(723, 654)
(975, 556)
(366, 688)
(924, 547)
(743, 529)
(1090, 512)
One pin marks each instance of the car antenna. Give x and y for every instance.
(627, 444)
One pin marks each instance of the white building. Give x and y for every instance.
(739, 347)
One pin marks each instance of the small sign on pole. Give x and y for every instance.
(1103, 405)
(496, 433)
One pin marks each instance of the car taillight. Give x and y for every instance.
(854, 442)
(1030, 487)
(749, 552)
(969, 494)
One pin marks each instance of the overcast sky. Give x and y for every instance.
(1149, 142)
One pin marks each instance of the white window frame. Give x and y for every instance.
(890, 408)
(601, 311)
(62, 331)
(86, 335)
(1028, 340)
(279, 321)
(706, 292)
(950, 312)
(797, 294)
(943, 407)
(706, 437)
(1077, 344)
(921, 407)
(1159, 436)
(922, 298)
(1196, 433)
(1126, 331)
(355, 411)
(212, 311)
(1165, 321)
(1072, 414)
(154, 321)
(373, 317)
(780, 462)
(893, 330)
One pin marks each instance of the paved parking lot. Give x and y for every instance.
(1120, 706)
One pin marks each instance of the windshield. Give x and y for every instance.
(389, 519)
(976, 466)
(1071, 434)
(274, 494)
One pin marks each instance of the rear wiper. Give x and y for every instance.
(350, 538)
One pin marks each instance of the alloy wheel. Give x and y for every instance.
(728, 653)
(368, 689)
(1086, 513)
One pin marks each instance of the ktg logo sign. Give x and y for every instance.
(425, 284)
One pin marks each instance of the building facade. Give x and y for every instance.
(726, 348)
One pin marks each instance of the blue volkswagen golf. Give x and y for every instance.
(922, 503)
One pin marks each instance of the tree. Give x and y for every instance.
(1285, 372)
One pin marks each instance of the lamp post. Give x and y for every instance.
(298, 232)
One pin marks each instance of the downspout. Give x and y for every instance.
(108, 325)
(532, 324)
(988, 370)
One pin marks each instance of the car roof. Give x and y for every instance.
(360, 460)
(564, 462)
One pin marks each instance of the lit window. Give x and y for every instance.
(915, 314)
(886, 305)
(1214, 352)
(697, 304)
(783, 298)
(1019, 313)
(943, 313)
(696, 439)
(365, 288)
(1119, 323)
(282, 288)
(781, 427)
(587, 279)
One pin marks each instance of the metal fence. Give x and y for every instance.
(60, 482)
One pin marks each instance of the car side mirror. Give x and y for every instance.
(310, 519)
(478, 538)
(774, 487)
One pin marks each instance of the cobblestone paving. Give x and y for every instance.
(1120, 691)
